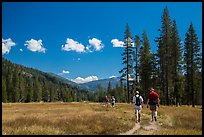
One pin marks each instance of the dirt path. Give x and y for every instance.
(130, 132)
(143, 130)
(149, 129)
(151, 126)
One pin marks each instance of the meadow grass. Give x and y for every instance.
(65, 118)
(185, 120)
(93, 119)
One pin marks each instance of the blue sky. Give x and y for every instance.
(73, 39)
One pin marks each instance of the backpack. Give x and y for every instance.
(137, 101)
(113, 100)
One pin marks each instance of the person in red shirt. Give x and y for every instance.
(153, 102)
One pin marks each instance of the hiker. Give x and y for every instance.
(153, 102)
(107, 100)
(113, 101)
(138, 102)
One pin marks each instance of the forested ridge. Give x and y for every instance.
(23, 84)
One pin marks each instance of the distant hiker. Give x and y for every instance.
(107, 100)
(113, 101)
(153, 101)
(138, 101)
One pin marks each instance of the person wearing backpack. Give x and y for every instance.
(138, 102)
(113, 101)
(153, 102)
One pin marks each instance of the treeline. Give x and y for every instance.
(22, 84)
(119, 92)
(174, 71)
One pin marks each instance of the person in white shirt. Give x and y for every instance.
(138, 102)
(113, 101)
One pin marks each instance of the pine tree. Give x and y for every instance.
(176, 62)
(198, 86)
(9, 85)
(110, 89)
(145, 66)
(154, 71)
(134, 87)
(136, 60)
(118, 93)
(15, 94)
(51, 89)
(45, 92)
(39, 91)
(35, 92)
(22, 86)
(122, 92)
(127, 60)
(29, 95)
(4, 93)
(192, 57)
(101, 95)
(164, 53)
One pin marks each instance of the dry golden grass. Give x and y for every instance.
(65, 118)
(172, 120)
(92, 118)
(182, 120)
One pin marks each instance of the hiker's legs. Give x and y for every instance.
(106, 106)
(152, 115)
(155, 115)
(139, 114)
(136, 115)
(113, 105)
(153, 108)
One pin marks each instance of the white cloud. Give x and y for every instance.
(94, 45)
(21, 49)
(64, 72)
(117, 43)
(84, 80)
(35, 45)
(73, 45)
(112, 77)
(6, 45)
(97, 44)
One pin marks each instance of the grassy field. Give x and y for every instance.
(92, 118)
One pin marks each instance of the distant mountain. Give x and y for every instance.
(104, 82)
(90, 86)
(64, 80)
